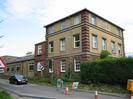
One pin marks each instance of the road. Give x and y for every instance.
(34, 91)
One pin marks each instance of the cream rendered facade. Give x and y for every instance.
(86, 29)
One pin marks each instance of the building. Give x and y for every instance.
(40, 58)
(78, 37)
(21, 65)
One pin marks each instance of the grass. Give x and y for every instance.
(5, 95)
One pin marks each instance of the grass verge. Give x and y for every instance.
(5, 95)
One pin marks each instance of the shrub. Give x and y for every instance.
(110, 70)
(104, 54)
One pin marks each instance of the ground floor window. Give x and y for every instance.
(63, 65)
(50, 64)
(76, 64)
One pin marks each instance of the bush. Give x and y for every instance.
(104, 54)
(110, 70)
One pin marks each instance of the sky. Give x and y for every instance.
(22, 21)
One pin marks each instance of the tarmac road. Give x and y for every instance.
(34, 91)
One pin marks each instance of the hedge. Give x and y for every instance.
(110, 70)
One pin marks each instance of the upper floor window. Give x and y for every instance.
(50, 65)
(39, 49)
(62, 44)
(76, 64)
(62, 25)
(51, 29)
(120, 32)
(94, 41)
(51, 47)
(77, 19)
(93, 19)
(63, 65)
(113, 47)
(104, 44)
(76, 41)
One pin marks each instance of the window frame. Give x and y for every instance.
(77, 19)
(50, 65)
(94, 41)
(51, 48)
(113, 47)
(39, 49)
(51, 29)
(93, 19)
(62, 44)
(63, 65)
(62, 25)
(76, 41)
(75, 64)
(104, 44)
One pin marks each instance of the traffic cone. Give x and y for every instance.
(96, 95)
(66, 90)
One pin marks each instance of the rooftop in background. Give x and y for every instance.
(80, 12)
(20, 59)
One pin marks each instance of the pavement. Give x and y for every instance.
(34, 91)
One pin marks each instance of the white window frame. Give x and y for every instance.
(51, 47)
(51, 69)
(39, 49)
(104, 44)
(113, 47)
(62, 25)
(76, 41)
(76, 19)
(63, 64)
(94, 41)
(62, 44)
(93, 19)
(75, 64)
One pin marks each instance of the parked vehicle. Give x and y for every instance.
(18, 79)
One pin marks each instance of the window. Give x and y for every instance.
(17, 68)
(62, 25)
(104, 44)
(12, 69)
(62, 44)
(76, 64)
(31, 66)
(77, 19)
(113, 47)
(120, 32)
(51, 47)
(94, 41)
(8, 69)
(76, 41)
(51, 29)
(119, 49)
(93, 19)
(39, 49)
(63, 66)
(50, 66)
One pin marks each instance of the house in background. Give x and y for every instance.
(40, 58)
(21, 65)
(78, 37)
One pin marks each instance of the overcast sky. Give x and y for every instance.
(23, 20)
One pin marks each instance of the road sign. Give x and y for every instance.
(2, 66)
(40, 67)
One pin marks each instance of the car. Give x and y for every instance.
(18, 79)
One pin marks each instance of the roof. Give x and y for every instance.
(21, 59)
(40, 43)
(80, 12)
